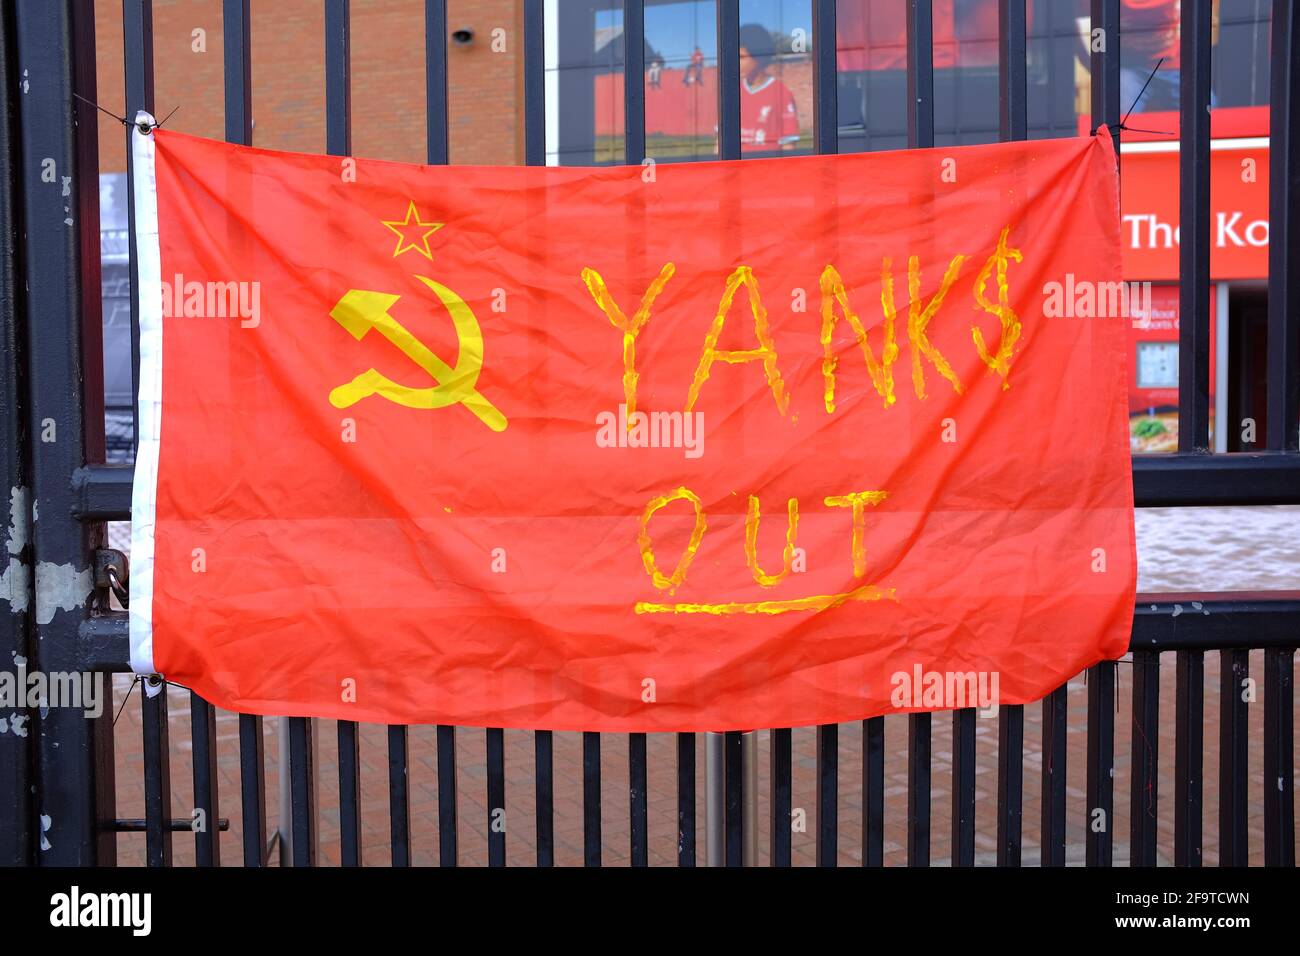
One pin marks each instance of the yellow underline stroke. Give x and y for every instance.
(817, 602)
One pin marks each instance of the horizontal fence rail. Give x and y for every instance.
(59, 318)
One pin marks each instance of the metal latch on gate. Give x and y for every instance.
(113, 571)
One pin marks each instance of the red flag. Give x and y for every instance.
(677, 447)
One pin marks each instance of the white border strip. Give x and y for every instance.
(144, 490)
(1216, 145)
(551, 69)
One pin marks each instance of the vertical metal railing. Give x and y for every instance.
(1100, 810)
(686, 799)
(826, 139)
(60, 261)
(438, 154)
(17, 755)
(238, 106)
(338, 142)
(1284, 231)
(1283, 403)
(729, 147)
(1234, 670)
(1279, 756)
(1012, 127)
(302, 823)
(1189, 706)
(920, 135)
(534, 68)
(60, 268)
(634, 155)
(1052, 798)
(495, 756)
(1194, 244)
(137, 51)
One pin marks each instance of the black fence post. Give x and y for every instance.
(535, 155)
(238, 103)
(1099, 822)
(1194, 215)
(1012, 126)
(1279, 756)
(1145, 749)
(1234, 747)
(1189, 699)
(56, 58)
(920, 135)
(17, 753)
(1284, 231)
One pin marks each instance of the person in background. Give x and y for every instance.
(695, 68)
(1149, 31)
(654, 73)
(769, 119)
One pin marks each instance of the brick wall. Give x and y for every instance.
(388, 102)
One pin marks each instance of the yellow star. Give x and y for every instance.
(412, 225)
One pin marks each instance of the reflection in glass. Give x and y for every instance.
(776, 76)
(681, 100)
(584, 82)
(872, 61)
(1148, 35)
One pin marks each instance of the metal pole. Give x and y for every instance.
(714, 788)
(749, 770)
(56, 57)
(286, 794)
(17, 757)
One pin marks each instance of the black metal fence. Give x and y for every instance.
(57, 777)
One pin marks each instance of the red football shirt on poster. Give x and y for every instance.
(768, 116)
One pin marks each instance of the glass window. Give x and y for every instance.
(776, 77)
(681, 102)
(871, 56)
(1149, 38)
(966, 72)
(1059, 100)
(1240, 54)
(872, 61)
(584, 82)
(1157, 365)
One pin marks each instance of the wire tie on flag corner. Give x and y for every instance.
(147, 126)
(144, 126)
(1123, 124)
(153, 685)
(120, 119)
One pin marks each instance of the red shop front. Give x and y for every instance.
(1149, 203)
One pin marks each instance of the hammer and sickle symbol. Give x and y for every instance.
(359, 311)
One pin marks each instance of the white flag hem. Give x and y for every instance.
(144, 491)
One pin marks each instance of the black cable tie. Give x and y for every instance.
(1138, 98)
(1123, 124)
(120, 119)
(1131, 129)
